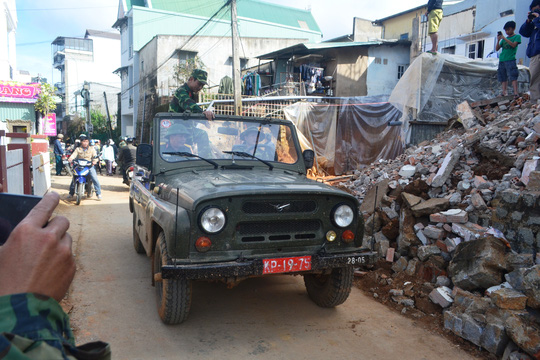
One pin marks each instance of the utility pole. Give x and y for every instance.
(236, 61)
(85, 93)
(108, 115)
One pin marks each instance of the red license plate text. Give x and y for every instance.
(283, 265)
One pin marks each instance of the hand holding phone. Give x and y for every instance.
(37, 257)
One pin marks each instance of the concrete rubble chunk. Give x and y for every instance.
(380, 189)
(478, 202)
(478, 264)
(411, 200)
(447, 167)
(442, 296)
(434, 232)
(430, 206)
(531, 286)
(530, 165)
(468, 231)
(509, 299)
(534, 181)
(400, 265)
(424, 252)
(524, 334)
(456, 216)
(466, 115)
(471, 331)
(407, 171)
(515, 279)
(504, 285)
(391, 213)
(494, 338)
(390, 254)
(422, 237)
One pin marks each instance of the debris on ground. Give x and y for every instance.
(458, 221)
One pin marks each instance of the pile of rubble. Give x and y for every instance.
(462, 214)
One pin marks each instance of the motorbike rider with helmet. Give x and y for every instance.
(127, 156)
(87, 152)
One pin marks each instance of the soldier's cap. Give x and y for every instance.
(200, 75)
(83, 137)
(251, 129)
(177, 129)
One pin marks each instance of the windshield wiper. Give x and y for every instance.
(245, 154)
(188, 154)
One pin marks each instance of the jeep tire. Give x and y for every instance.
(137, 244)
(330, 290)
(173, 295)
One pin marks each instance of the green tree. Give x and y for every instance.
(183, 71)
(46, 99)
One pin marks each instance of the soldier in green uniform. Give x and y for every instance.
(184, 100)
(184, 97)
(36, 269)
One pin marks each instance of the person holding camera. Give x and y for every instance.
(531, 29)
(507, 61)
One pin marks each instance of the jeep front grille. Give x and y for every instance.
(279, 207)
(278, 230)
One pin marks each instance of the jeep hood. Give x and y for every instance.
(196, 186)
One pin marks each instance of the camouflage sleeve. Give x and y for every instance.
(182, 102)
(34, 326)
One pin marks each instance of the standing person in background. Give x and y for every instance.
(127, 157)
(434, 14)
(508, 70)
(58, 152)
(531, 29)
(108, 156)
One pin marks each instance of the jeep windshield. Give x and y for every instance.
(215, 140)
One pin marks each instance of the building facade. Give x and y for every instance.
(91, 60)
(198, 32)
(8, 28)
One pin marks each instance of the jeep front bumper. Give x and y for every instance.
(254, 267)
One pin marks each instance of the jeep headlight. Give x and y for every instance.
(212, 220)
(343, 216)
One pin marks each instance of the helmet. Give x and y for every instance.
(83, 137)
(178, 129)
(129, 140)
(92, 142)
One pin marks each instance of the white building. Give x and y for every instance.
(91, 59)
(8, 28)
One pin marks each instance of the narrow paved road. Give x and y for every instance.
(265, 318)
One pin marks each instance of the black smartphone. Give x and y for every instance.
(14, 208)
(499, 33)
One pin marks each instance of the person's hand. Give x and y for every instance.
(37, 256)
(209, 115)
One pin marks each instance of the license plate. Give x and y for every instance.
(357, 260)
(283, 265)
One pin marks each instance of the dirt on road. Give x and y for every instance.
(112, 299)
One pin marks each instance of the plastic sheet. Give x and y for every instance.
(358, 135)
(317, 123)
(433, 86)
(364, 135)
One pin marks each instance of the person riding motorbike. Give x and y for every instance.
(87, 152)
(127, 156)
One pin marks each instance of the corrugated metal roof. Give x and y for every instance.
(17, 111)
(252, 9)
(299, 48)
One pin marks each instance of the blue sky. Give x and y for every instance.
(40, 22)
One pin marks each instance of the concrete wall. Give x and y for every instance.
(488, 10)
(8, 28)
(364, 30)
(383, 77)
(394, 27)
(351, 71)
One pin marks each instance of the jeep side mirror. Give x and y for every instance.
(144, 156)
(309, 157)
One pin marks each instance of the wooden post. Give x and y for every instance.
(236, 62)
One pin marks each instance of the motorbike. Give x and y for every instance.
(83, 182)
(129, 174)
(66, 169)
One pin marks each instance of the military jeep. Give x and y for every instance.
(229, 199)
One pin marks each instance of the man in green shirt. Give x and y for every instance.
(507, 60)
(185, 96)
